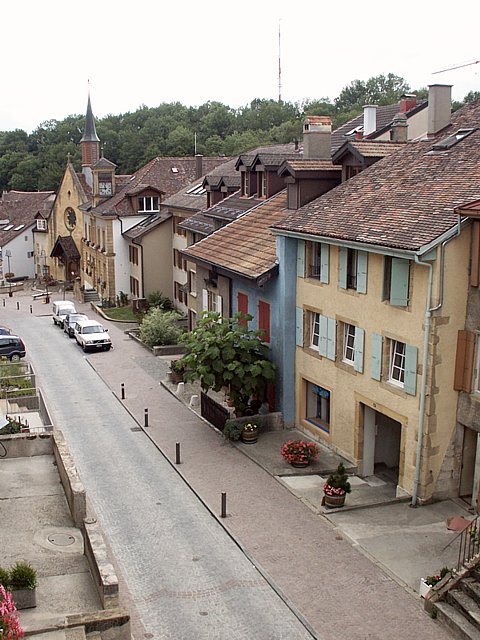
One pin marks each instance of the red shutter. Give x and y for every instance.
(474, 267)
(264, 320)
(242, 306)
(464, 361)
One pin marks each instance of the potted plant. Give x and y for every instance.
(430, 581)
(9, 623)
(249, 433)
(177, 368)
(336, 488)
(299, 453)
(22, 583)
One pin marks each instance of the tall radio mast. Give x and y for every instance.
(279, 64)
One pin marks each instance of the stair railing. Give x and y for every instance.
(469, 542)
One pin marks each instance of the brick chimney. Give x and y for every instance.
(439, 107)
(399, 130)
(317, 137)
(198, 166)
(369, 119)
(407, 102)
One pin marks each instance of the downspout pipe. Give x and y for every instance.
(428, 314)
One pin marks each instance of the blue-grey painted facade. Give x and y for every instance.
(279, 293)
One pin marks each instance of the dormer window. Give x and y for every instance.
(245, 185)
(148, 204)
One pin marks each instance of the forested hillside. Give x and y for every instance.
(36, 161)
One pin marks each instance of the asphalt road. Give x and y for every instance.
(187, 578)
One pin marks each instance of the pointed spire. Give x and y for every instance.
(89, 133)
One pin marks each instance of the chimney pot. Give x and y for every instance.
(439, 107)
(369, 119)
(317, 137)
(399, 130)
(198, 166)
(407, 102)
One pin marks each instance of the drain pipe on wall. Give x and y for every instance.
(426, 337)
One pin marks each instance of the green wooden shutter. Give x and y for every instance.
(301, 258)
(362, 262)
(399, 282)
(376, 357)
(359, 340)
(323, 340)
(324, 262)
(331, 338)
(342, 267)
(299, 326)
(410, 378)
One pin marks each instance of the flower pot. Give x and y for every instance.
(300, 464)
(333, 502)
(249, 437)
(177, 377)
(424, 589)
(24, 598)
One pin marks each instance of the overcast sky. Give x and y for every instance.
(145, 52)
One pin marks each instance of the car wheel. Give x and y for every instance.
(107, 348)
(14, 357)
(84, 347)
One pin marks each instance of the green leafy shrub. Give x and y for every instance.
(4, 578)
(160, 328)
(158, 300)
(23, 576)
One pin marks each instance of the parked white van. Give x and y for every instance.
(90, 334)
(60, 308)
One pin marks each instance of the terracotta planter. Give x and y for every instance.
(24, 598)
(333, 502)
(300, 464)
(177, 377)
(249, 437)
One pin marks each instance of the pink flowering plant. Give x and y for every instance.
(10, 628)
(298, 451)
(337, 483)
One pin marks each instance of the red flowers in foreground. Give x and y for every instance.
(10, 628)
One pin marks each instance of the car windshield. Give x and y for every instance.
(95, 329)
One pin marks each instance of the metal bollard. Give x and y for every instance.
(146, 418)
(177, 453)
(123, 391)
(18, 306)
(224, 505)
(3, 301)
(31, 309)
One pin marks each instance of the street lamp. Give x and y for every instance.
(8, 254)
(45, 275)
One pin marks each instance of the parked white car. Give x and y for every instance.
(90, 334)
(60, 309)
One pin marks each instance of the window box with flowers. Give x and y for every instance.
(427, 583)
(299, 453)
(336, 488)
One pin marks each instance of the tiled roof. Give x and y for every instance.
(403, 201)
(65, 246)
(299, 165)
(20, 209)
(247, 246)
(166, 174)
(374, 148)
(231, 207)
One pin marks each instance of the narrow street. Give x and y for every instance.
(187, 578)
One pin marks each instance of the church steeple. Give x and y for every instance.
(90, 144)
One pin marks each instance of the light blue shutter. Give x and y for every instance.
(410, 378)
(362, 262)
(204, 300)
(331, 338)
(323, 341)
(359, 340)
(299, 326)
(376, 357)
(399, 282)
(324, 262)
(301, 258)
(342, 267)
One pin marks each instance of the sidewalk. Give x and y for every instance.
(341, 592)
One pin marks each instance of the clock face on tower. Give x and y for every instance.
(70, 218)
(105, 188)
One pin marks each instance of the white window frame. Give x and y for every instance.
(396, 369)
(314, 331)
(263, 184)
(150, 204)
(348, 355)
(245, 183)
(41, 224)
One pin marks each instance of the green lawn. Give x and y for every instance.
(120, 313)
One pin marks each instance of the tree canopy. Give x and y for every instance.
(37, 160)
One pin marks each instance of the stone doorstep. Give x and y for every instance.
(455, 621)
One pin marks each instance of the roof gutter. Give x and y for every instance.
(426, 337)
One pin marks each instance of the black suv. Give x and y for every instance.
(12, 347)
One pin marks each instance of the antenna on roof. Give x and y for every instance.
(458, 66)
(195, 143)
(279, 63)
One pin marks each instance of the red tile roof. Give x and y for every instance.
(404, 201)
(20, 209)
(246, 246)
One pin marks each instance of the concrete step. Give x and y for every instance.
(455, 621)
(466, 605)
(472, 588)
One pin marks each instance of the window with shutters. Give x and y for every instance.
(322, 335)
(264, 320)
(353, 269)
(314, 330)
(352, 339)
(245, 184)
(396, 281)
(349, 344)
(211, 301)
(192, 282)
(242, 307)
(397, 362)
(318, 261)
(317, 406)
(477, 376)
